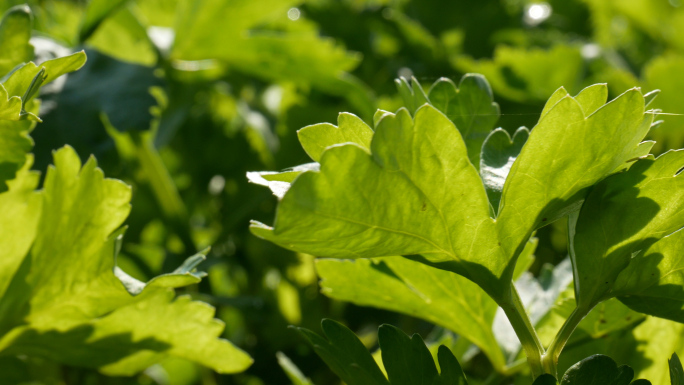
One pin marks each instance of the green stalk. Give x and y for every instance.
(550, 359)
(523, 328)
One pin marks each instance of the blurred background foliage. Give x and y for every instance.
(180, 98)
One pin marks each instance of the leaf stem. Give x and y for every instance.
(550, 358)
(523, 328)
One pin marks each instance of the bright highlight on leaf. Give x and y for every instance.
(411, 189)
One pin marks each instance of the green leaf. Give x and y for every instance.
(350, 129)
(556, 97)
(20, 206)
(606, 318)
(471, 107)
(344, 353)
(551, 176)
(407, 360)
(64, 301)
(122, 36)
(527, 75)
(451, 371)
(676, 370)
(631, 211)
(10, 106)
(499, 151)
(412, 288)
(597, 370)
(184, 275)
(411, 92)
(15, 32)
(394, 202)
(96, 12)
(302, 58)
(592, 98)
(14, 146)
(19, 82)
(652, 282)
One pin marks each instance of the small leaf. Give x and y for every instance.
(451, 371)
(592, 98)
(676, 371)
(471, 107)
(344, 353)
(350, 129)
(407, 360)
(411, 92)
(21, 80)
(597, 370)
(499, 151)
(182, 276)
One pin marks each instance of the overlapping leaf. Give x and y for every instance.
(573, 146)
(630, 211)
(412, 288)
(409, 287)
(417, 193)
(470, 106)
(272, 56)
(499, 151)
(406, 359)
(652, 282)
(64, 300)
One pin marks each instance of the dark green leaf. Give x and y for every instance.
(597, 370)
(631, 210)
(545, 379)
(676, 371)
(451, 371)
(407, 360)
(344, 353)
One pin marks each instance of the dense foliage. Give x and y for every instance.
(180, 99)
